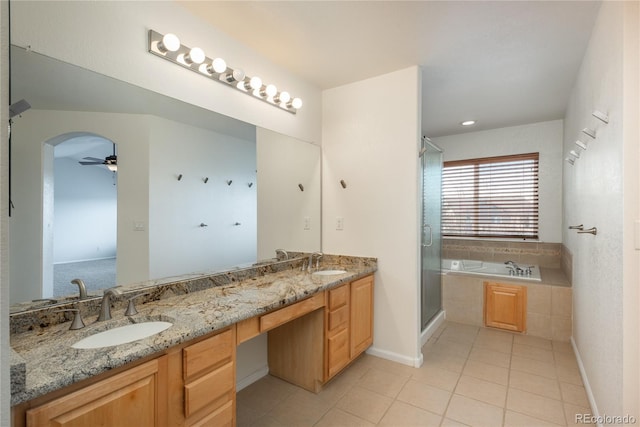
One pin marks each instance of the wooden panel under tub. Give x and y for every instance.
(505, 306)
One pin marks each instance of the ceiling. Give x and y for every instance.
(502, 63)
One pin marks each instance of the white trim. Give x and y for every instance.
(432, 327)
(585, 381)
(84, 260)
(415, 362)
(252, 378)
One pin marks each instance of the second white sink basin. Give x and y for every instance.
(328, 272)
(122, 335)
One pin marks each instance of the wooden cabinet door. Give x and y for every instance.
(361, 324)
(505, 306)
(130, 398)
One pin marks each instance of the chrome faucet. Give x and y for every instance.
(514, 269)
(283, 252)
(316, 254)
(105, 308)
(81, 287)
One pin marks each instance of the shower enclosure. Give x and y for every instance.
(431, 240)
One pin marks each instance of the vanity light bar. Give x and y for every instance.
(168, 46)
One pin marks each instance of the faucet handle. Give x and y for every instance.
(131, 307)
(77, 322)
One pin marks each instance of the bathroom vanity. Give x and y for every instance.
(186, 375)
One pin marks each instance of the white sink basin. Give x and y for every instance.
(122, 335)
(328, 272)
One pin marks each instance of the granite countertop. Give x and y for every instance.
(43, 359)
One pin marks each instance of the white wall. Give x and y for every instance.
(601, 190)
(283, 163)
(371, 139)
(5, 395)
(545, 138)
(177, 244)
(110, 37)
(29, 134)
(85, 208)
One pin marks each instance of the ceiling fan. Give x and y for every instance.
(111, 162)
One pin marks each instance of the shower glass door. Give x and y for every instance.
(431, 241)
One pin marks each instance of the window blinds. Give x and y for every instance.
(491, 197)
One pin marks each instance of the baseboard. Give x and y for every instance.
(432, 327)
(585, 381)
(415, 362)
(252, 378)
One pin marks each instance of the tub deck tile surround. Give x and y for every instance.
(537, 253)
(549, 302)
(195, 306)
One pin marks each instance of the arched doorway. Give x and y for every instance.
(79, 213)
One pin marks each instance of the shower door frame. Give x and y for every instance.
(426, 239)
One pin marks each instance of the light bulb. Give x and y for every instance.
(255, 83)
(271, 90)
(283, 98)
(236, 75)
(170, 43)
(195, 56)
(296, 103)
(219, 65)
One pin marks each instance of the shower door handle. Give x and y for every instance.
(427, 245)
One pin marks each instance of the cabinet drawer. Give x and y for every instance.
(213, 390)
(247, 329)
(338, 318)
(338, 352)
(205, 355)
(338, 296)
(222, 417)
(299, 309)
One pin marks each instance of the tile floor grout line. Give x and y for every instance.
(453, 392)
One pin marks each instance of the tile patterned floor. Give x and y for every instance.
(471, 376)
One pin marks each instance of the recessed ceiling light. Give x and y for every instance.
(468, 123)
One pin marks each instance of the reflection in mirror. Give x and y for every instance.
(84, 214)
(210, 219)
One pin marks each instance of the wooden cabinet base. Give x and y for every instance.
(130, 398)
(295, 351)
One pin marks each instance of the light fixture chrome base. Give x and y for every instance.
(234, 78)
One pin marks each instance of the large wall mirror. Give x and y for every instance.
(114, 184)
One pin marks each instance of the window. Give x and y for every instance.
(491, 197)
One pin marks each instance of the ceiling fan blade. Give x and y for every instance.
(91, 163)
(94, 159)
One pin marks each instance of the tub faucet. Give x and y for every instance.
(81, 287)
(514, 268)
(105, 308)
(316, 254)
